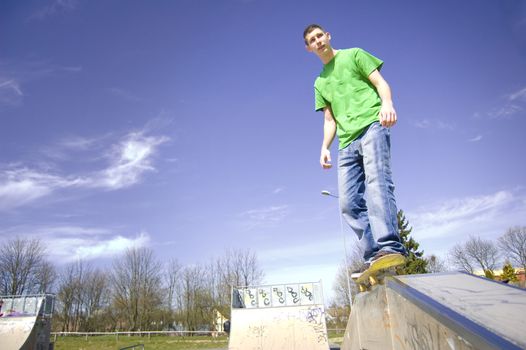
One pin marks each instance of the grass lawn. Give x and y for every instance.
(156, 342)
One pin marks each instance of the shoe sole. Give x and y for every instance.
(383, 263)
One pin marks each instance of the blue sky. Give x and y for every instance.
(188, 126)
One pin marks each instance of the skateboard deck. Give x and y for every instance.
(379, 269)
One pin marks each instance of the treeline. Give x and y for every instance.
(136, 292)
(498, 257)
(488, 255)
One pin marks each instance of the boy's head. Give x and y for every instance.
(318, 41)
(309, 29)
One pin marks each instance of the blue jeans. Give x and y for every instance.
(366, 191)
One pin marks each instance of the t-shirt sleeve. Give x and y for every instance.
(320, 102)
(366, 62)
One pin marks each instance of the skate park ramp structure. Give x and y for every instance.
(26, 322)
(278, 317)
(438, 311)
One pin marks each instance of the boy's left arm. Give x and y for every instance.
(387, 112)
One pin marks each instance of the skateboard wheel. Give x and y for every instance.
(362, 288)
(373, 280)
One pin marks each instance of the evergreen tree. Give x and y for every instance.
(415, 262)
(508, 273)
(489, 274)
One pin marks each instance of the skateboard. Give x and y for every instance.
(379, 269)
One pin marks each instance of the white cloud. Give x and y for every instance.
(476, 138)
(124, 94)
(507, 111)
(54, 7)
(96, 248)
(16, 75)
(264, 216)
(128, 162)
(22, 186)
(68, 243)
(433, 124)
(518, 95)
(485, 215)
(514, 104)
(10, 92)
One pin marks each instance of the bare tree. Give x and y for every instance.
(24, 268)
(513, 245)
(247, 263)
(483, 252)
(172, 274)
(475, 252)
(240, 268)
(95, 291)
(81, 298)
(136, 287)
(233, 268)
(68, 293)
(344, 289)
(194, 300)
(435, 264)
(459, 258)
(46, 276)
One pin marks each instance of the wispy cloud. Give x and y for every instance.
(475, 139)
(10, 92)
(472, 215)
(513, 104)
(507, 111)
(264, 216)
(88, 249)
(433, 124)
(22, 186)
(278, 190)
(518, 95)
(16, 75)
(68, 243)
(127, 163)
(52, 8)
(129, 160)
(124, 94)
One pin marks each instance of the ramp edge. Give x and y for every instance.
(479, 336)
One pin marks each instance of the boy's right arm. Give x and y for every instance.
(329, 131)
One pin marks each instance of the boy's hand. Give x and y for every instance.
(325, 159)
(387, 115)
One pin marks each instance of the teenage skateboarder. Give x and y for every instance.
(357, 106)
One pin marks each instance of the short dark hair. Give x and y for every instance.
(309, 29)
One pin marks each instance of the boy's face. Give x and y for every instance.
(318, 42)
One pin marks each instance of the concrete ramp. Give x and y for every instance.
(22, 322)
(438, 311)
(278, 317)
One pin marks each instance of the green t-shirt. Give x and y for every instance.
(344, 86)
